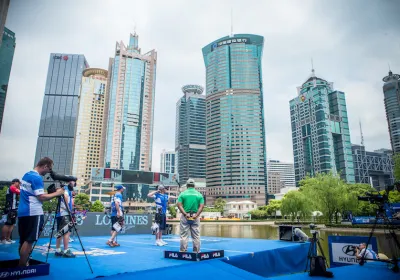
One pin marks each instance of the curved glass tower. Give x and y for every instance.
(391, 91)
(236, 153)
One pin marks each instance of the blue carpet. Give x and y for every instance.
(138, 253)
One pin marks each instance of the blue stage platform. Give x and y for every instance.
(139, 258)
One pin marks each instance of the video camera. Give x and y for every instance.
(62, 178)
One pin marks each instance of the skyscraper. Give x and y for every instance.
(90, 133)
(4, 4)
(285, 171)
(391, 91)
(236, 153)
(7, 49)
(59, 111)
(131, 107)
(190, 135)
(320, 131)
(168, 162)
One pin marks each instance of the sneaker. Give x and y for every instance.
(68, 254)
(163, 242)
(5, 242)
(110, 243)
(12, 241)
(159, 243)
(115, 244)
(59, 253)
(71, 240)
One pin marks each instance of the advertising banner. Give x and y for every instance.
(342, 249)
(99, 224)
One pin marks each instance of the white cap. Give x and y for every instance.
(190, 182)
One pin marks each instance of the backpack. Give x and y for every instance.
(318, 268)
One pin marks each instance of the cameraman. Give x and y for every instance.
(369, 254)
(11, 209)
(30, 211)
(63, 219)
(117, 214)
(161, 199)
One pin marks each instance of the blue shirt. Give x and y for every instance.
(161, 201)
(31, 186)
(63, 209)
(117, 198)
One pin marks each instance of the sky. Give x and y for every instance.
(350, 42)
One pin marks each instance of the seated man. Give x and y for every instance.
(369, 254)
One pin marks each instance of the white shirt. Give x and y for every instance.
(369, 255)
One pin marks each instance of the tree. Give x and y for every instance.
(172, 211)
(3, 192)
(294, 204)
(82, 201)
(97, 206)
(50, 205)
(396, 170)
(258, 214)
(220, 204)
(273, 206)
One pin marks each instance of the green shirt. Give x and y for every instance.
(191, 200)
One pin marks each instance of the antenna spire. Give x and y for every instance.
(362, 136)
(231, 22)
(312, 68)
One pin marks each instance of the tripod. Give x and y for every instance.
(389, 230)
(71, 224)
(313, 250)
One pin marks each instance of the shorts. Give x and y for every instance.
(29, 228)
(114, 219)
(163, 222)
(11, 218)
(62, 221)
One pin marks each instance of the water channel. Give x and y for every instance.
(271, 232)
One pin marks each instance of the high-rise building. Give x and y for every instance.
(190, 135)
(275, 183)
(168, 162)
(391, 91)
(320, 131)
(374, 168)
(7, 49)
(285, 171)
(131, 107)
(90, 131)
(236, 153)
(60, 109)
(4, 4)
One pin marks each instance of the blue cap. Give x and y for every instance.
(120, 187)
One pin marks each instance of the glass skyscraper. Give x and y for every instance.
(7, 49)
(131, 107)
(320, 131)
(90, 131)
(59, 111)
(391, 91)
(190, 135)
(236, 153)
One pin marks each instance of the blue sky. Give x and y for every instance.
(351, 43)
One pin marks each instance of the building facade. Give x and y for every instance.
(236, 153)
(320, 131)
(7, 49)
(4, 4)
(374, 168)
(391, 91)
(190, 134)
(60, 109)
(168, 162)
(285, 171)
(131, 107)
(90, 131)
(275, 183)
